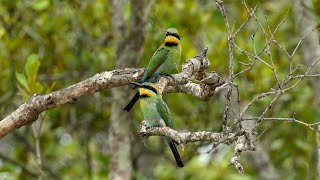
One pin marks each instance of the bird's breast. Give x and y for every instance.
(151, 114)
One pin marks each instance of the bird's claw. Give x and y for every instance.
(169, 75)
(143, 130)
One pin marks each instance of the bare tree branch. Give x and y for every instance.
(294, 120)
(220, 6)
(182, 138)
(241, 138)
(28, 112)
(282, 84)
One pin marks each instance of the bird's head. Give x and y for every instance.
(147, 89)
(172, 37)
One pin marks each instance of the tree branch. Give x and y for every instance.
(241, 138)
(227, 106)
(182, 138)
(28, 112)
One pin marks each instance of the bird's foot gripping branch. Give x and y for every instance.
(193, 68)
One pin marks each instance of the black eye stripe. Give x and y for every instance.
(151, 88)
(177, 36)
(171, 34)
(144, 96)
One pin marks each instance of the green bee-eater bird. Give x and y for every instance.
(163, 62)
(156, 112)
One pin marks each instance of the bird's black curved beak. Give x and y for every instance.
(136, 84)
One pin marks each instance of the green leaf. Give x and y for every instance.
(41, 5)
(22, 80)
(31, 68)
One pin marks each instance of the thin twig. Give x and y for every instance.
(284, 119)
(283, 19)
(245, 109)
(36, 134)
(265, 112)
(231, 61)
(247, 19)
(301, 77)
(300, 41)
(261, 134)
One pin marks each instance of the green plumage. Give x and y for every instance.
(163, 62)
(156, 113)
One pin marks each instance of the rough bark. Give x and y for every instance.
(306, 20)
(182, 138)
(29, 111)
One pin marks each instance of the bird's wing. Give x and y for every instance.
(155, 62)
(164, 113)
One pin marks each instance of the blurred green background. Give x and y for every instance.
(47, 45)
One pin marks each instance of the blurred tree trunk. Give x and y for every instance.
(129, 42)
(306, 20)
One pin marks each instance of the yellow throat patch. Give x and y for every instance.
(172, 40)
(143, 91)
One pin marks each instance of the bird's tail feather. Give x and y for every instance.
(132, 102)
(175, 153)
